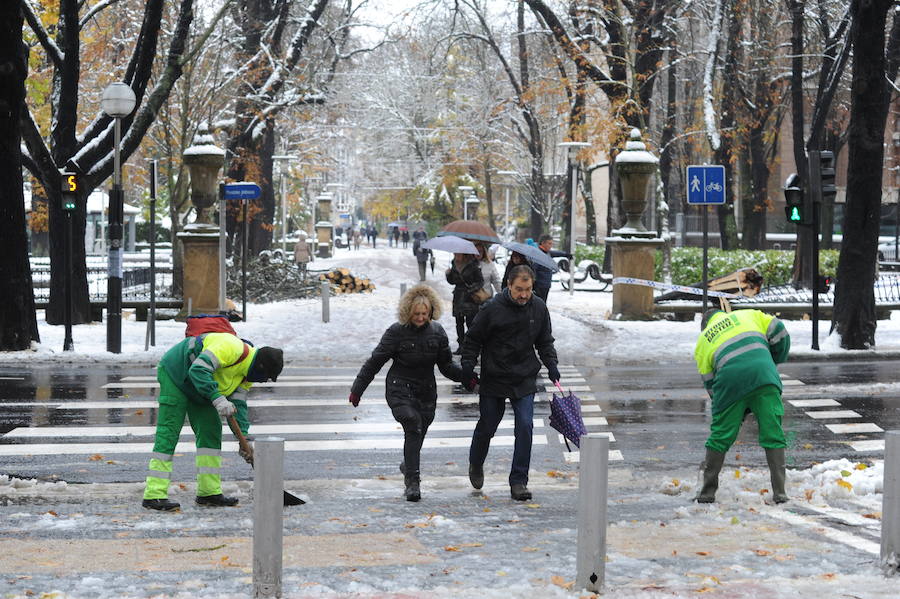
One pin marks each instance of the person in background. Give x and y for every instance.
(489, 275)
(357, 239)
(515, 259)
(415, 343)
(422, 255)
(373, 232)
(465, 276)
(543, 275)
(301, 254)
(736, 355)
(504, 336)
(404, 236)
(420, 233)
(205, 378)
(396, 236)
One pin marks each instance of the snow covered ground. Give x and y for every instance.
(584, 337)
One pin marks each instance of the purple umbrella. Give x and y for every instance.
(565, 416)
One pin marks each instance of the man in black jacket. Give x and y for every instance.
(506, 333)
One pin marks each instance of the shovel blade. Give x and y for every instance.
(291, 499)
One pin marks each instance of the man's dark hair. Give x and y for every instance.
(522, 271)
(544, 238)
(707, 316)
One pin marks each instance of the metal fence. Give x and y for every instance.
(135, 283)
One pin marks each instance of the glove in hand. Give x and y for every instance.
(224, 407)
(553, 373)
(354, 399)
(472, 383)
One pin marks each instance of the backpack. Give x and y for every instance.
(201, 324)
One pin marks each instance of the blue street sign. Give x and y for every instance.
(244, 190)
(706, 184)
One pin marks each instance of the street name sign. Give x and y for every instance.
(243, 190)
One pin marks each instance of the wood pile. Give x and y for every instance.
(745, 281)
(342, 281)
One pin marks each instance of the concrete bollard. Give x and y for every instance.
(402, 289)
(326, 295)
(593, 481)
(268, 502)
(890, 505)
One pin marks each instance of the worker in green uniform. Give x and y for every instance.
(736, 355)
(206, 378)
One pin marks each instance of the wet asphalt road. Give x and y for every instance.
(656, 413)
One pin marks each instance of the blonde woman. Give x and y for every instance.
(415, 343)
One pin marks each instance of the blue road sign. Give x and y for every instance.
(244, 190)
(706, 184)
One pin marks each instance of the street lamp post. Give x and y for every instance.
(465, 190)
(117, 102)
(573, 147)
(506, 215)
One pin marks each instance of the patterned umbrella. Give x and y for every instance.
(471, 230)
(565, 416)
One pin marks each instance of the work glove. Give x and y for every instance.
(354, 399)
(553, 373)
(224, 407)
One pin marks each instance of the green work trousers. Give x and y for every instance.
(207, 426)
(765, 403)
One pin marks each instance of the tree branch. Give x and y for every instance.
(50, 47)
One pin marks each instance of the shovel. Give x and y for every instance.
(247, 454)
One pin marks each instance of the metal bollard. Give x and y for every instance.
(326, 295)
(592, 498)
(268, 502)
(890, 504)
(402, 289)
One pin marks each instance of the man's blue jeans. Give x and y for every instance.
(491, 409)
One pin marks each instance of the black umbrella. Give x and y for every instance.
(565, 416)
(533, 253)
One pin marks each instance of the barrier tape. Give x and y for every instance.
(664, 287)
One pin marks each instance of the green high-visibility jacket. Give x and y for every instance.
(206, 372)
(737, 352)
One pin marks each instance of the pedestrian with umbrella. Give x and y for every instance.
(415, 344)
(504, 337)
(515, 259)
(468, 293)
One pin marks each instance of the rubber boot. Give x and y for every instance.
(412, 492)
(775, 458)
(710, 469)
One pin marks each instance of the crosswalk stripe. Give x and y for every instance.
(856, 427)
(813, 403)
(572, 457)
(609, 435)
(256, 429)
(822, 414)
(792, 383)
(232, 447)
(331, 378)
(868, 445)
(303, 384)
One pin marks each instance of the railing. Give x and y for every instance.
(135, 283)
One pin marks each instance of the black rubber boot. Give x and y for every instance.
(476, 475)
(775, 459)
(520, 492)
(163, 505)
(412, 492)
(710, 469)
(217, 500)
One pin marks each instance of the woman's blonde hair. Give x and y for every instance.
(419, 294)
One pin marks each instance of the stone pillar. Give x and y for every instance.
(633, 247)
(324, 228)
(201, 270)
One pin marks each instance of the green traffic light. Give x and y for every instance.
(794, 215)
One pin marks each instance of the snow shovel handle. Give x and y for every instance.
(246, 451)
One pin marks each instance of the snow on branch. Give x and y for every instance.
(53, 51)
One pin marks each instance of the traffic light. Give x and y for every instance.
(795, 208)
(826, 175)
(71, 187)
(823, 284)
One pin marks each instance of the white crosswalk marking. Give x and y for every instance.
(857, 427)
(370, 429)
(823, 414)
(868, 445)
(813, 403)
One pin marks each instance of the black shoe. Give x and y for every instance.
(163, 505)
(217, 500)
(412, 492)
(520, 492)
(476, 475)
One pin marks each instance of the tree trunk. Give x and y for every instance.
(489, 191)
(756, 204)
(18, 323)
(854, 306)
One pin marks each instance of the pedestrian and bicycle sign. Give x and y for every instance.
(706, 184)
(243, 190)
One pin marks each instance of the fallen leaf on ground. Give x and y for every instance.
(845, 484)
(561, 582)
(530, 549)
(451, 548)
(861, 466)
(873, 516)
(533, 505)
(762, 552)
(95, 458)
(471, 544)
(702, 553)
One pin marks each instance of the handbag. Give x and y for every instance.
(480, 296)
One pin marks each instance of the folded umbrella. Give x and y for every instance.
(533, 253)
(565, 416)
(457, 245)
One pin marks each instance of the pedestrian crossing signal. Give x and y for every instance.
(70, 188)
(796, 208)
(793, 214)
